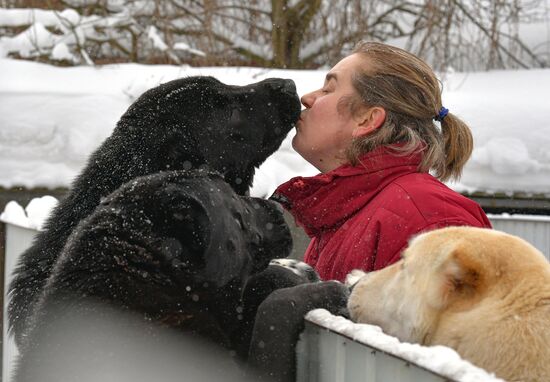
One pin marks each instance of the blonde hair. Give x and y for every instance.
(408, 90)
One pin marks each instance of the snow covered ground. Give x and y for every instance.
(52, 118)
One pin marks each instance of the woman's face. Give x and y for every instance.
(324, 130)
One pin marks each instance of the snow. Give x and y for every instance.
(519, 217)
(507, 111)
(52, 118)
(158, 43)
(20, 17)
(186, 47)
(439, 359)
(33, 216)
(32, 39)
(70, 27)
(61, 52)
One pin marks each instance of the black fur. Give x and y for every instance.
(281, 273)
(183, 124)
(279, 322)
(177, 248)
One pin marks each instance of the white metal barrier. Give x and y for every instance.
(533, 228)
(18, 239)
(324, 355)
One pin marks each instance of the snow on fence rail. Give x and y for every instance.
(331, 348)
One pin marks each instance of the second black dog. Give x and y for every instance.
(176, 249)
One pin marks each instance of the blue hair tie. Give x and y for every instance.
(442, 114)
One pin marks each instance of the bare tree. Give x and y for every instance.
(475, 34)
(463, 34)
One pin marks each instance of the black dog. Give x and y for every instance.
(177, 248)
(183, 124)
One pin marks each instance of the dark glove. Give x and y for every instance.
(279, 321)
(281, 273)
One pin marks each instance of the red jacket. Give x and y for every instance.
(362, 217)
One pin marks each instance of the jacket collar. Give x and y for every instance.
(323, 202)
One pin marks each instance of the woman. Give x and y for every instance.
(370, 130)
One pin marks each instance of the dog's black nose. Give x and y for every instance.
(289, 86)
(280, 84)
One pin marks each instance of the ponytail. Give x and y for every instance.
(458, 144)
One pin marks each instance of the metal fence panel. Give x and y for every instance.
(18, 239)
(534, 229)
(326, 356)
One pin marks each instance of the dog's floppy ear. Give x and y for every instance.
(211, 241)
(460, 275)
(188, 223)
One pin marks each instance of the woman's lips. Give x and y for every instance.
(300, 120)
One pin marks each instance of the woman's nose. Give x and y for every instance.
(308, 99)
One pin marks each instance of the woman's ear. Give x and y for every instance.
(371, 120)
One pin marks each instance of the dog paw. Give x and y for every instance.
(353, 277)
(299, 268)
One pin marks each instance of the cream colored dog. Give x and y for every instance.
(484, 293)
